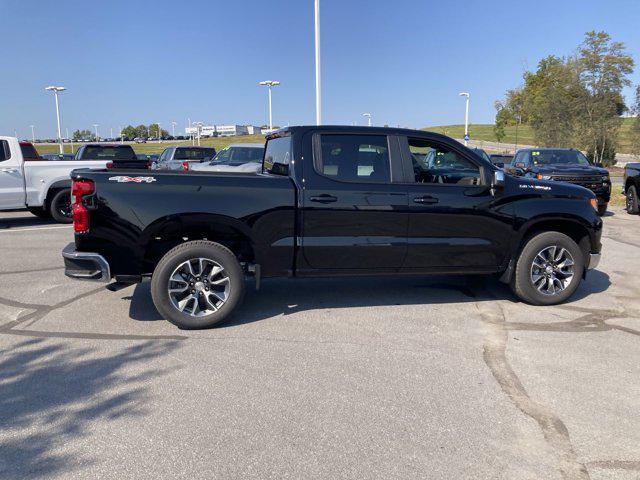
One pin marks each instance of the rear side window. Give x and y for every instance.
(354, 158)
(277, 156)
(29, 153)
(109, 153)
(5, 152)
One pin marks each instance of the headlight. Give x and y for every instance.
(544, 177)
(594, 203)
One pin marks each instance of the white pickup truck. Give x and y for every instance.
(41, 186)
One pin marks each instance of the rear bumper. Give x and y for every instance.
(85, 265)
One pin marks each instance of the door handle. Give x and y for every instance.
(324, 198)
(8, 170)
(425, 200)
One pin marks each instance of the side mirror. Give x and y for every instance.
(600, 165)
(498, 179)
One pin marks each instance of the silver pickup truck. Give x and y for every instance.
(43, 187)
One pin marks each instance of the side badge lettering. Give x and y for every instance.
(125, 179)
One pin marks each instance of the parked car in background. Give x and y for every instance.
(632, 187)
(500, 160)
(184, 158)
(115, 155)
(140, 140)
(43, 187)
(563, 165)
(239, 157)
(333, 201)
(58, 156)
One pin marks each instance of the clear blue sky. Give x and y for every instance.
(404, 61)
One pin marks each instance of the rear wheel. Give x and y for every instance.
(60, 206)
(632, 200)
(549, 269)
(197, 284)
(40, 212)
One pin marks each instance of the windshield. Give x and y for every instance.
(550, 157)
(193, 153)
(239, 155)
(108, 153)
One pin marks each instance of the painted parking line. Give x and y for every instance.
(56, 227)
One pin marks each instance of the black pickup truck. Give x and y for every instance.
(563, 165)
(632, 187)
(330, 201)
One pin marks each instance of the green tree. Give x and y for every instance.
(129, 132)
(82, 135)
(604, 68)
(635, 126)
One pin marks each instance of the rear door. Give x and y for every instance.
(11, 181)
(354, 214)
(453, 224)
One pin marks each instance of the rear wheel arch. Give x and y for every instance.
(167, 233)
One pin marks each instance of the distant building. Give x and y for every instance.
(218, 130)
(253, 130)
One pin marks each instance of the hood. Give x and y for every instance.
(569, 169)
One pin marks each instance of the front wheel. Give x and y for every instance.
(602, 209)
(549, 269)
(60, 206)
(197, 284)
(632, 200)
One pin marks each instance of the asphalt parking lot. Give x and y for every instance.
(437, 378)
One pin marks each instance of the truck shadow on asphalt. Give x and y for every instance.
(287, 296)
(26, 221)
(52, 393)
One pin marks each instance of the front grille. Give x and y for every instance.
(577, 179)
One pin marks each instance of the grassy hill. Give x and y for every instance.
(155, 147)
(525, 133)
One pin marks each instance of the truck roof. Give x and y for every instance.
(350, 128)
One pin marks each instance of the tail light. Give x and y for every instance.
(110, 165)
(79, 190)
(185, 166)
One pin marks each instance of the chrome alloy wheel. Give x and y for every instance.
(198, 287)
(552, 270)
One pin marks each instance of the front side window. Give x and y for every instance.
(192, 153)
(354, 158)
(435, 163)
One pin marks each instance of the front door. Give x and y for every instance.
(354, 212)
(11, 181)
(453, 224)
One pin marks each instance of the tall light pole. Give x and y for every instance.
(270, 83)
(198, 127)
(368, 115)
(466, 117)
(120, 130)
(111, 135)
(173, 129)
(33, 133)
(317, 41)
(159, 133)
(96, 125)
(55, 91)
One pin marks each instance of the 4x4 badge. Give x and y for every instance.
(125, 179)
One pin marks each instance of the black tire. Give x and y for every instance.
(40, 212)
(60, 206)
(602, 209)
(632, 200)
(522, 282)
(214, 253)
